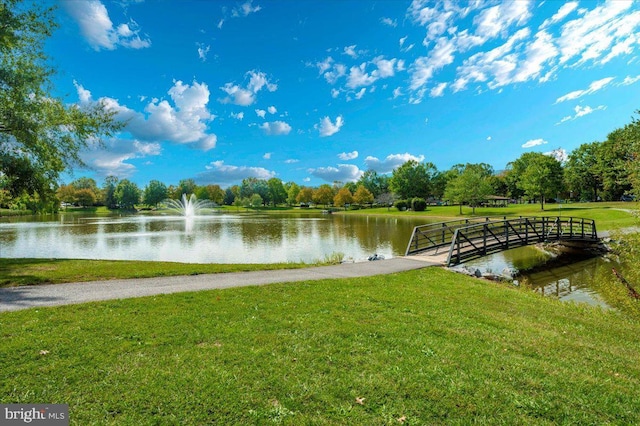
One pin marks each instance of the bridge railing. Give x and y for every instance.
(481, 239)
(434, 236)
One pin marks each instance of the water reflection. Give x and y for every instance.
(573, 281)
(220, 238)
(566, 278)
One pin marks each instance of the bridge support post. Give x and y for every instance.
(506, 233)
(484, 239)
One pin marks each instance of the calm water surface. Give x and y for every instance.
(218, 238)
(573, 281)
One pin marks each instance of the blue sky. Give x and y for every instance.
(319, 91)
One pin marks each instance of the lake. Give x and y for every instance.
(217, 238)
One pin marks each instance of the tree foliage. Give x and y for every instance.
(538, 175)
(412, 179)
(470, 186)
(363, 195)
(343, 197)
(583, 171)
(109, 192)
(376, 184)
(276, 191)
(292, 193)
(127, 194)
(253, 185)
(305, 195)
(154, 193)
(40, 135)
(323, 195)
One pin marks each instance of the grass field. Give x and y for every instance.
(608, 215)
(422, 347)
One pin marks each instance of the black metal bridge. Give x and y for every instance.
(457, 241)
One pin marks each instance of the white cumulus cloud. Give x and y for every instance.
(390, 162)
(111, 159)
(438, 90)
(346, 156)
(342, 173)
(184, 122)
(562, 13)
(276, 128)
(245, 9)
(245, 96)
(97, 28)
(390, 22)
(328, 128)
(224, 174)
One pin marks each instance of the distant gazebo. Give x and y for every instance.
(497, 201)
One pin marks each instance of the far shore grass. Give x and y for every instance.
(422, 347)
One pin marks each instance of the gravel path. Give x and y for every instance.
(16, 298)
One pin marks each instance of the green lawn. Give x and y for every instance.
(421, 347)
(608, 215)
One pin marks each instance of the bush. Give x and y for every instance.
(418, 204)
(401, 205)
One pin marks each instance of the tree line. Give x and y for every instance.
(594, 171)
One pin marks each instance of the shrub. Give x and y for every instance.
(418, 204)
(401, 205)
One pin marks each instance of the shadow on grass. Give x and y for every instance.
(567, 209)
(12, 271)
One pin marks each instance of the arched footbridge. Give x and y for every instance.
(457, 241)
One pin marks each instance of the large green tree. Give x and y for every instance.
(293, 189)
(540, 176)
(109, 191)
(40, 135)
(277, 193)
(186, 186)
(471, 186)
(412, 179)
(127, 194)
(154, 193)
(253, 185)
(375, 183)
(583, 171)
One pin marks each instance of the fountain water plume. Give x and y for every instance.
(189, 206)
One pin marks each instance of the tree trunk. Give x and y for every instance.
(542, 202)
